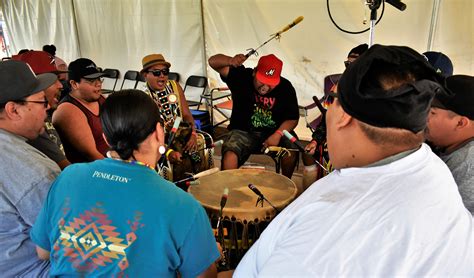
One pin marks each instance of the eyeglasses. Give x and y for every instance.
(44, 102)
(158, 72)
(329, 99)
(94, 81)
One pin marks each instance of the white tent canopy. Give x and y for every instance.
(118, 33)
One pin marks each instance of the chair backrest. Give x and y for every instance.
(130, 80)
(195, 82)
(141, 82)
(174, 76)
(330, 81)
(111, 78)
(314, 117)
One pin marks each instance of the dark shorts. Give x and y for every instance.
(244, 143)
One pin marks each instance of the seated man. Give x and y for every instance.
(26, 174)
(264, 104)
(48, 142)
(169, 97)
(451, 130)
(77, 117)
(317, 147)
(391, 207)
(116, 217)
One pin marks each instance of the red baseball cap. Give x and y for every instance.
(269, 69)
(39, 61)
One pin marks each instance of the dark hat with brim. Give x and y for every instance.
(18, 81)
(405, 107)
(84, 68)
(462, 101)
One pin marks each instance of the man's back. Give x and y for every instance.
(25, 179)
(405, 218)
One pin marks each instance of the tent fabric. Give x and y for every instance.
(118, 33)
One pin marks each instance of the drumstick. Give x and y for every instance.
(276, 35)
(224, 198)
(298, 144)
(176, 123)
(200, 175)
(188, 183)
(277, 149)
(215, 144)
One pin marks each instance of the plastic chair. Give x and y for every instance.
(130, 80)
(199, 82)
(110, 81)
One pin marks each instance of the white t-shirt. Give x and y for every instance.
(405, 218)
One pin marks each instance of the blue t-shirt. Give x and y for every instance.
(112, 218)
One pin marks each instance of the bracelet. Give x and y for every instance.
(279, 132)
(168, 152)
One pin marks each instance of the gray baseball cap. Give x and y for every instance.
(18, 81)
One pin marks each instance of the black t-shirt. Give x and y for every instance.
(260, 113)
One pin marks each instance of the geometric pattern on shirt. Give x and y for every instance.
(90, 241)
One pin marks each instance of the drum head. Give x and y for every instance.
(278, 189)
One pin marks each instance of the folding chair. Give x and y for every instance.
(141, 82)
(110, 80)
(312, 122)
(130, 80)
(174, 76)
(221, 107)
(196, 82)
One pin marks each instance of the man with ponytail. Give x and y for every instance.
(117, 216)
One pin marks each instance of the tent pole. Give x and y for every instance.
(434, 21)
(204, 39)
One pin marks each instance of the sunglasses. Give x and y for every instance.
(347, 63)
(329, 100)
(158, 72)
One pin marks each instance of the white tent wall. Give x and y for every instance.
(118, 33)
(32, 24)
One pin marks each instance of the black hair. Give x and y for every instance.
(358, 50)
(51, 49)
(23, 51)
(128, 117)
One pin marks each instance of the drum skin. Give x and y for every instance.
(278, 189)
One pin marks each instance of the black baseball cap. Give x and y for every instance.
(462, 102)
(84, 68)
(18, 81)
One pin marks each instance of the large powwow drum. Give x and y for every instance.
(242, 220)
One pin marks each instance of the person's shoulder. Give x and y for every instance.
(285, 82)
(66, 110)
(239, 71)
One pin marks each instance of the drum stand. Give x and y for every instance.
(261, 199)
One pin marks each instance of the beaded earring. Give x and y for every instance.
(162, 149)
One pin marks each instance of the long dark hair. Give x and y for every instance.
(127, 118)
